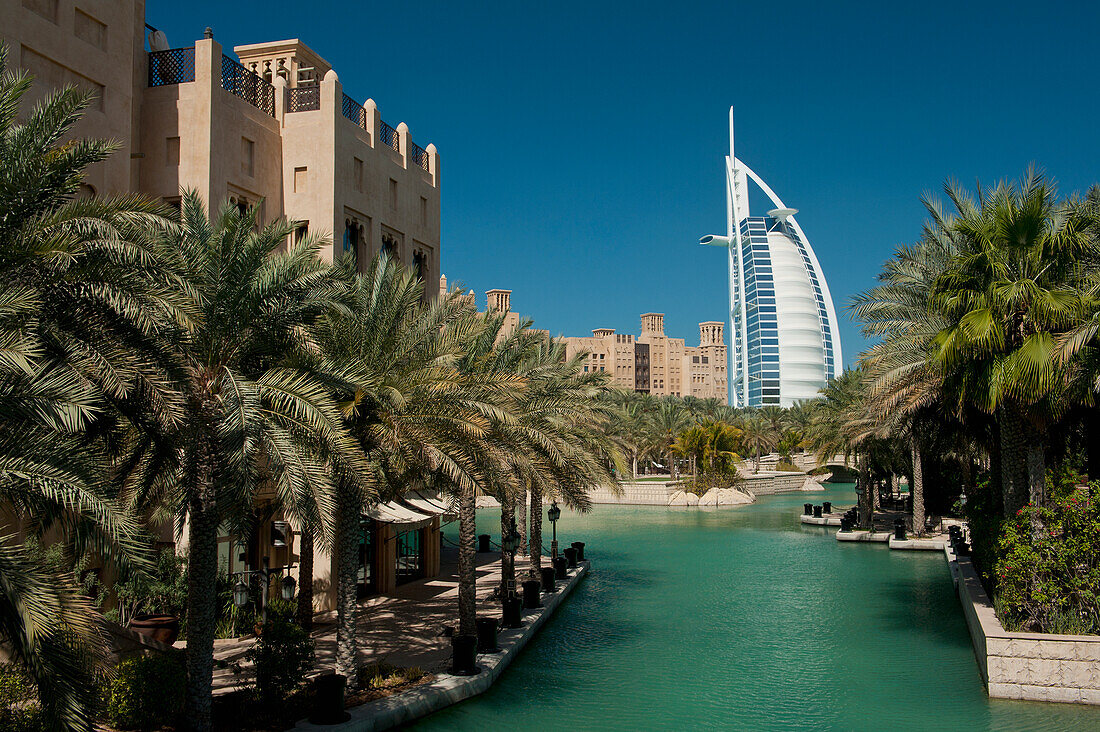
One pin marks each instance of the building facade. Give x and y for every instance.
(649, 363)
(786, 345)
(653, 363)
(269, 126)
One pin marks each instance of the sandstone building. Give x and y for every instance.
(650, 363)
(271, 126)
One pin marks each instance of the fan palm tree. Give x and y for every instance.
(81, 300)
(255, 411)
(1007, 296)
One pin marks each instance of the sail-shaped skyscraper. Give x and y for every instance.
(784, 341)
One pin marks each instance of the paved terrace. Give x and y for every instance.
(403, 629)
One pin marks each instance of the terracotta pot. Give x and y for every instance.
(162, 628)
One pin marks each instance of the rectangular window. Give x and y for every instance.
(301, 178)
(90, 30)
(423, 211)
(357, 173)
(172, 151)
(248, 157)
(45, 8)
(393, 193)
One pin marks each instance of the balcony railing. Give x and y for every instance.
(418, 154)
(354, 111)
(251, 87)
(304, 99)
(174, 66)
(389, 136)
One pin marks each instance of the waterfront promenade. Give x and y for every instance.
(408, 629)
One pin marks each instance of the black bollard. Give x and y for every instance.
(570, 556)
(963, 549)
(827, 507)
(845, 523)
(579, 546)
(559, 568)
(817, 511)
(807, 509)
(547, 579)
(512, 615)
(531, 594)
(328, 700)
(899, 529)
(464, 655)
(483, 544)
(487, 635)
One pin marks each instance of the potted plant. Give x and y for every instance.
(152, 603)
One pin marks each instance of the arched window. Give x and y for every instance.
(353, 238)
(389, 247)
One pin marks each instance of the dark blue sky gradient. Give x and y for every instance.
(582, 142)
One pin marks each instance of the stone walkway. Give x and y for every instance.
(403, 629)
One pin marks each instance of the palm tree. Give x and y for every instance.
(666, 421)
(905, 386)
(758, 433)
(562, 436)
(1007, 296)
(392, 365)
(81, 299)
(254, 410)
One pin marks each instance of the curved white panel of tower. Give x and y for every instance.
(784, 343)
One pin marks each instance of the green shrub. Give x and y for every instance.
(147, 692)
(19, 709)
(1047, 573)
(787, 466)
(282, 655)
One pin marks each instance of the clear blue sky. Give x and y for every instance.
(582, 142)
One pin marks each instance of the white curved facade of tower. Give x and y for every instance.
(785, 344)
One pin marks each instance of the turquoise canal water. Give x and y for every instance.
(741, 618)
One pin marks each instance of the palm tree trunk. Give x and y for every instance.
(202, 571)
(507, 559)
(305, 580)
(536, 533)
(671, 465)
(1036, 470)
(522, 523)
(917, 489)
(1013, 460)
(348, 530)
(634, 466)
(467, 578)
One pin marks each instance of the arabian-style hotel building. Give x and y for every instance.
(649, 363)
(267, 125)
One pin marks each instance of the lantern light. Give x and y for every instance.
(288, 587)
(240, 594)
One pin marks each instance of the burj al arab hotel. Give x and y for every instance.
(786, 345)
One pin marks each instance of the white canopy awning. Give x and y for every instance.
(428, 503)
(393, 512)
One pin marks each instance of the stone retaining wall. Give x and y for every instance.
(1035, 666)
(637, 494)
(766, 485)
(656, 493)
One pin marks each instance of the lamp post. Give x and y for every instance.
(554, 513)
